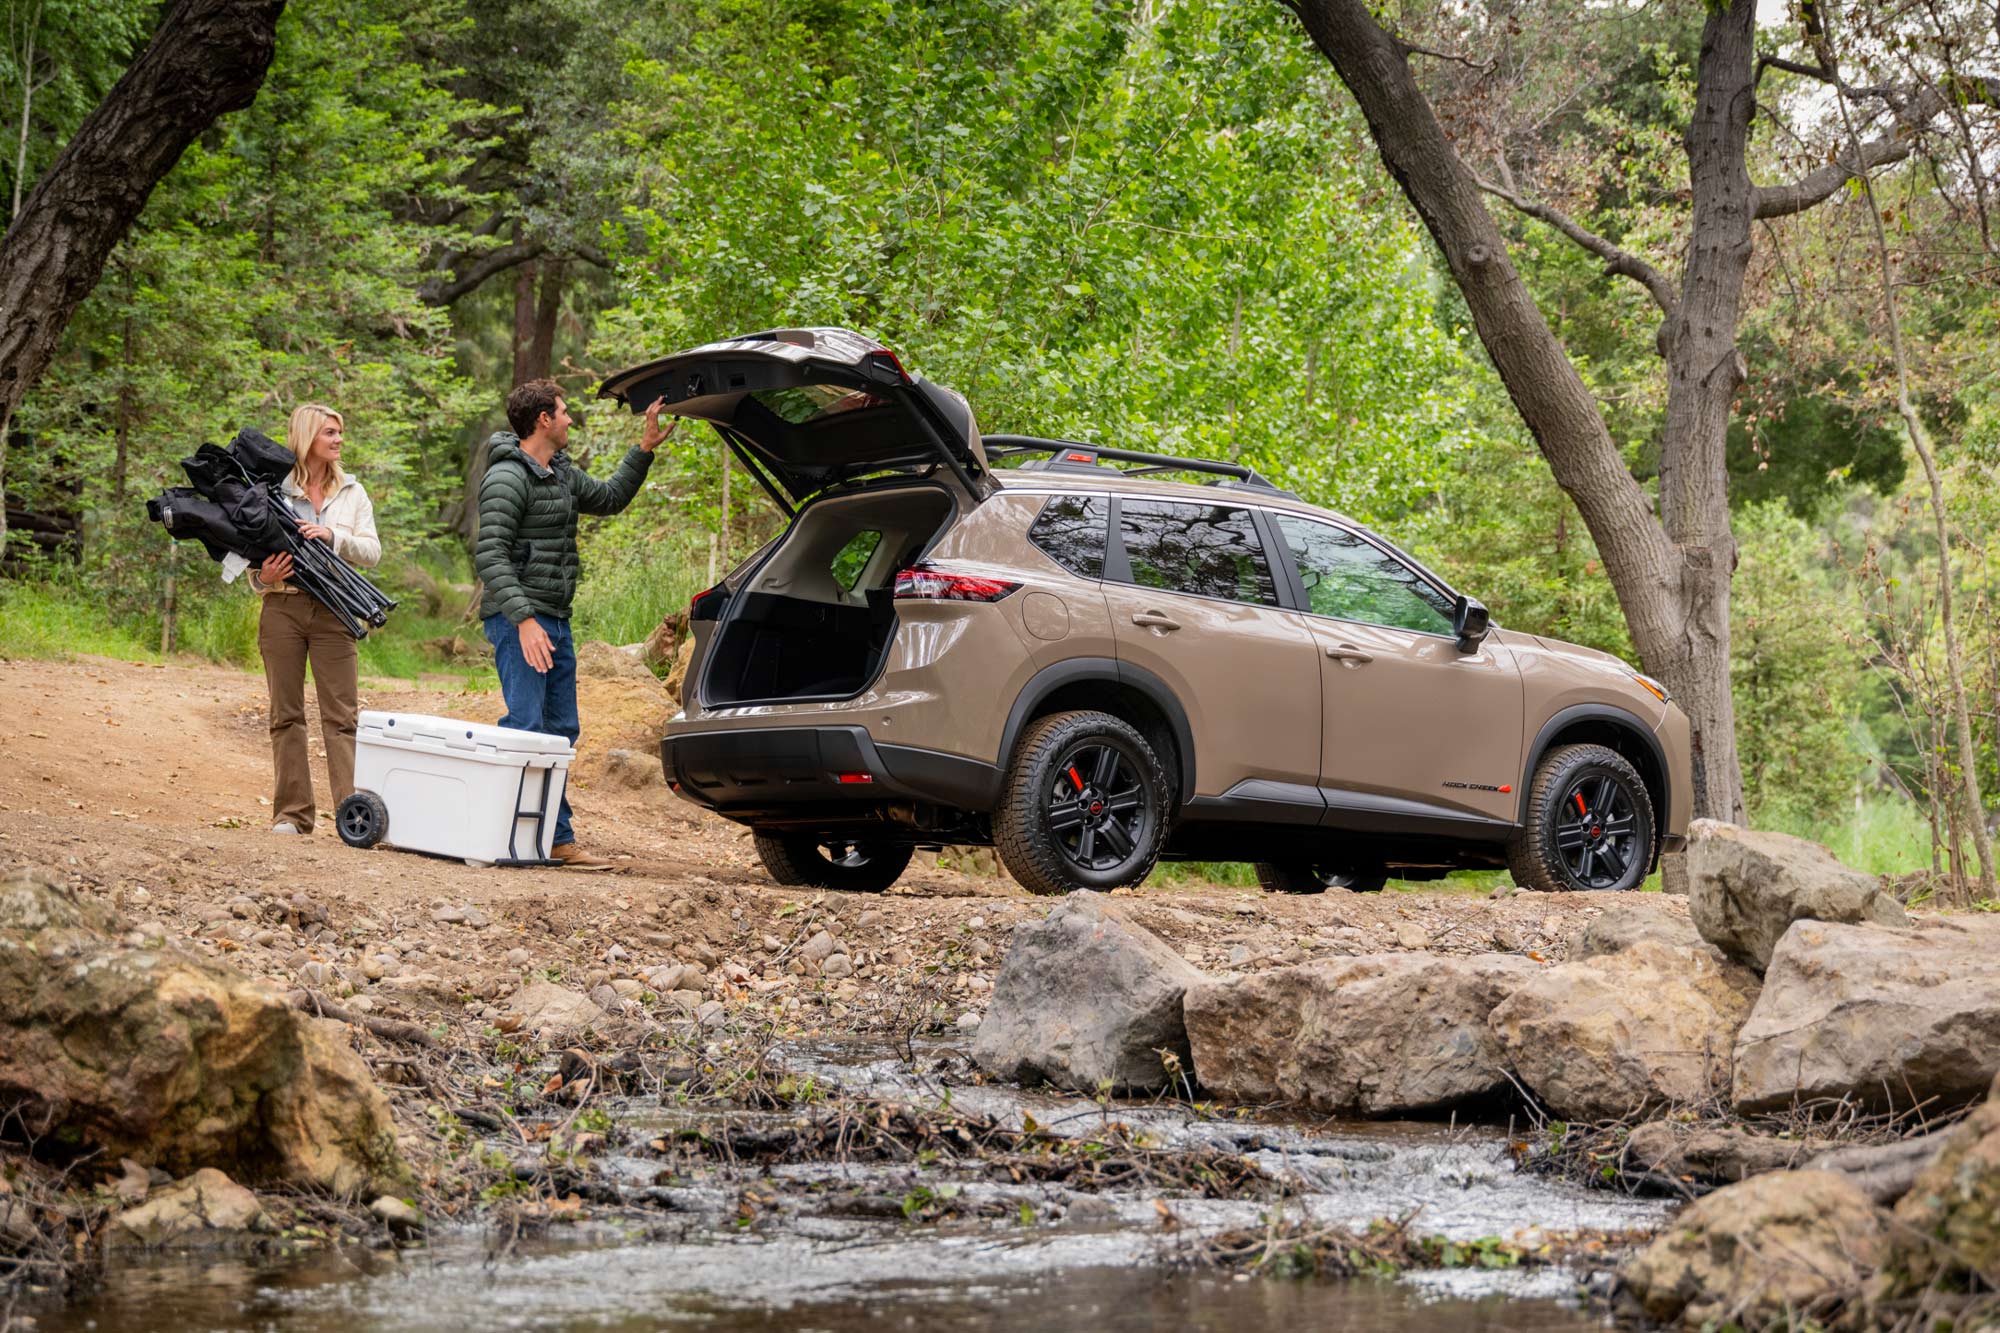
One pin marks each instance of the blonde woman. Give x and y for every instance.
(295, 629)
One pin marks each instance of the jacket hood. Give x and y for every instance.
(506, 444)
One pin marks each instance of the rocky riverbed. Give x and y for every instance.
(363, 1088)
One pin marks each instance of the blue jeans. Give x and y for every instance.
(538, 701)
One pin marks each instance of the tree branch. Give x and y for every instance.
(1619, 262)
(1914, 108)
(442, 291)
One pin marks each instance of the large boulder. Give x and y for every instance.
(1384, 1034)
(1085, 998)
(1890, 1018)
(1746, 887)
(1951, 1215)
(1612, 1036)
(156, 1055)
(1641, 917)
(1788, 1243)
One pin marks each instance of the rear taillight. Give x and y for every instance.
(923, 583)
(891, 362)
(707, 604)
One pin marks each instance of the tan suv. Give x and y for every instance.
(1092, 667)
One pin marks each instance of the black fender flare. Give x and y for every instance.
(1076, 670)
(1628, 721)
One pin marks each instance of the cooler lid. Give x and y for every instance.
(459, 735)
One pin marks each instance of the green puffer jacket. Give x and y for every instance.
(526, 554)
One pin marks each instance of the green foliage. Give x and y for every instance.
(1793, 674)
(1157, 225)
(276, 264)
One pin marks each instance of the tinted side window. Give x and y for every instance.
(1071, 530)
(1349, 579)
(1207, 550)
(851, 559)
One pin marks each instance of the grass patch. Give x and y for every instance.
(1883, 835)
(624, 596)
(61, 618)
(53, 620)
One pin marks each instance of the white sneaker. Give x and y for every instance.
(284, 826)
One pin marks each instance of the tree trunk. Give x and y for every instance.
(1704, 371)
(122, 462)
(208, 57)
(538, 293)
(1676, 602)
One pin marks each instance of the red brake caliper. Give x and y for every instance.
(1077, 780)
(1577, 794)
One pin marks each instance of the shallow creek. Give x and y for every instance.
(1103, 1260)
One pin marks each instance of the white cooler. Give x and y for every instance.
(451, 788)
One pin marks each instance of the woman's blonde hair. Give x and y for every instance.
(303, 429)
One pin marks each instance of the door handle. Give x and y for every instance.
(1347, 652)
(1158, 620)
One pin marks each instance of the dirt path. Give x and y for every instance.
(151, 783)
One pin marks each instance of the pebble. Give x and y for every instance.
(517, 958)
(711, 1014)
(1245, 909)
(977, 923)
(968, 1021)
(616, 954)
(371, 968)
(399, 1215)
(1412, 936)
(818, 948)
(772, 944)
(840, 965)
(869, 918)
(606, 997)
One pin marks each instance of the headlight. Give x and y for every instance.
(1652, 687)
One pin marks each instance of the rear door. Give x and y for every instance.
(1408, 716)
(805, 409)
(1193, 599)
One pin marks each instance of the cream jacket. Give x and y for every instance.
(348, 514)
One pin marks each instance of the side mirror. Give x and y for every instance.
(1470, 621)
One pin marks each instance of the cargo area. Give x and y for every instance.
(816, 618)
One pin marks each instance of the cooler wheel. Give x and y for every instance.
(362, 819)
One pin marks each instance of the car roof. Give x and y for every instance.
(1113, 480)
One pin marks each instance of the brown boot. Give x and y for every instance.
(574, 857)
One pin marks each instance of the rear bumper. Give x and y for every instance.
(783, 769)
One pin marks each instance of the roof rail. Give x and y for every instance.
(1068, 455)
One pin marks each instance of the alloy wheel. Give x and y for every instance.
(1597, 831)
(1097, 808)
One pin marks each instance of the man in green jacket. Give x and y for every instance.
(526, 557)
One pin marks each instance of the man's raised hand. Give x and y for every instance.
(655, 436)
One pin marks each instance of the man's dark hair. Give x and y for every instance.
(527, 402)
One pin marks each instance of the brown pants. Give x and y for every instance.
(291, 631)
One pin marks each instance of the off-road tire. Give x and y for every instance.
(1032, 850)
(1532, 853)
(802, 861)
(361, 819)
(1304, 877)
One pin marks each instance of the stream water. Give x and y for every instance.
(1102, 1261)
